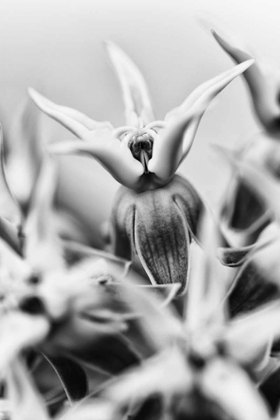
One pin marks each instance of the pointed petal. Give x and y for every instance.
(177, 138)
(65, 115)
(101, 143)
(162, 238)
(26, 140)
(43, 247)
(72, 377)
(138, 108)
(113, 155)
(230, 387)
(24, 398)
(264, 88)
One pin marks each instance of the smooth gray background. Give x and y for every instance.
(56, 47)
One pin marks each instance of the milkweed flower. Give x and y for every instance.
(202, 372)
(156, 212)
(243, 211)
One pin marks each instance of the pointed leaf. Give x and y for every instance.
(138, 108)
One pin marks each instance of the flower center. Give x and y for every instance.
(141, 146)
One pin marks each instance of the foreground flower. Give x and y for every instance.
(155, 213)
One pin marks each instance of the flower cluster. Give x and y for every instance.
(133, 330)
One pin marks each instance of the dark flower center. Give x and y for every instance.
(141, 146)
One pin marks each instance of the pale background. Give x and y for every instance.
(56, 47)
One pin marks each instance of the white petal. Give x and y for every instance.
(43, 248)
(114, 155)
(176, 139)
(66, 115)
(138, 108)
(19, 331)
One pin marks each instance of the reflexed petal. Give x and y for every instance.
(43, 249)
(230, 387)
(25, 400)
(162, 239)
(138, 108)
(264, 85)
(177, 138)
(189, 202)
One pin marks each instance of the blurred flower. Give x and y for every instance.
(155, 213)
(243, 211)
(200, 372)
